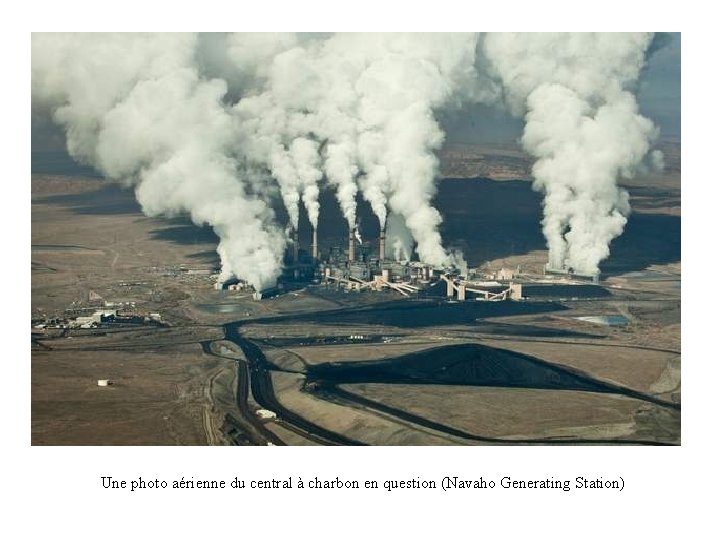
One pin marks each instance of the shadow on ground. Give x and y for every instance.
(485, 218)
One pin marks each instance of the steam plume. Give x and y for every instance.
(216, 125)
(368, 101)
(219, 126)
(135, 107)
(399, 238)
(584, 129)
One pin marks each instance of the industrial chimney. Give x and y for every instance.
(296, 246)
(382, 244)
(351, 244)
(314, 244)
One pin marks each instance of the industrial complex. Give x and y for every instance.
(365, 266)
(132, 341)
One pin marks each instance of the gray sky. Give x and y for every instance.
(659, 92)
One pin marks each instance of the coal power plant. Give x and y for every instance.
(356, 266)
(367, 129)
(362, 267)
(355, 239)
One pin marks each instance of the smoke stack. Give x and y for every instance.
(314, 244)
(351, 244)
(296, 246)
(382, 244)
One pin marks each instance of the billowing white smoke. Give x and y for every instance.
(135, 107)
(283, 125)
(457, 259)
(307, 164)
(583, 126)
(368, 99)
(356, 110)
(407, 77)
(399, 237)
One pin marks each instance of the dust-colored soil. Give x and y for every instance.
(167, 391)
(154, 398)
(514, 413)
(361, 425)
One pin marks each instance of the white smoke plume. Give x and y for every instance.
(368, 99)
(399, 237)
(307, 164)
(135, 107)
(219, 126)
(457, 259)
(216, 126)
(584, 129)
(408, 77)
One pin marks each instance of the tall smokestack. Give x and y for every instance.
(296, 246)
(351, 244)
(314, 244)
(382, 244)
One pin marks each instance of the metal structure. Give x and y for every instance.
(381, 254)
(295, 247)
(314, 244)
(358, 269)
(490, 291)
(571, 274)
(377, 283)
(351, 244)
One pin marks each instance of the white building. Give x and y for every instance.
(265, 414)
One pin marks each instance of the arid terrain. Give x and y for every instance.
(193, 365)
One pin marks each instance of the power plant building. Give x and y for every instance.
(362, 266)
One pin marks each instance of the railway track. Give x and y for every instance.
(262, 390)
(248, 422)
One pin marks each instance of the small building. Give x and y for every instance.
(571, 273)
(397, 269)
(359, 271)
(265, 414)
(506, 274)
(267, 292)
(83, 322)
(102, 314)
